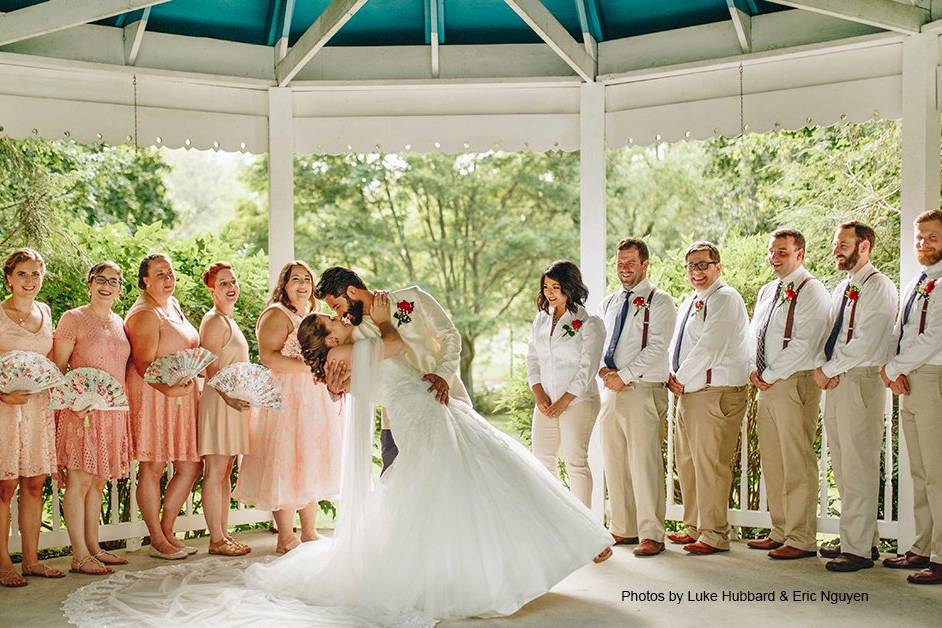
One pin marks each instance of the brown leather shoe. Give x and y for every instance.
(702, 549)
(625, 540)
(681, 538)
(764, 544)
(848, 562)
(930, 575)
(907, 561)
(833, 551)
(787, 552)
(649, 548)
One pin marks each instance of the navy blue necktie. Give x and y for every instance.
(616, 333)
(907, 309)
(838, 323)
(675, 362)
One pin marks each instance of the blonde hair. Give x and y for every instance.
(280, 295)
(18, 257)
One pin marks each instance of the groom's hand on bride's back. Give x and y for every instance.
(439, 387)
(336, 377)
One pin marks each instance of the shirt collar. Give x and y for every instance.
(643, 287)
(795, 276)
(862, 274)
(719, 283)
(934, 271)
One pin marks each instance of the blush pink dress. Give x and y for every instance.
(163, 428)
(295, 451)
(224, 430)
(27, 432)
(103, 448)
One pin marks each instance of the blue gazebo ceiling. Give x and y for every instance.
(407, 22)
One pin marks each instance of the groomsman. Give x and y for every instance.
(863, 308)
(788, 328)
(639, 320)
(709, 364)
(915, 372)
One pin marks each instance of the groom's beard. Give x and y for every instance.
(354, 312)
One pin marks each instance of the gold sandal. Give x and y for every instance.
(602, 556)
(115, 559)
(77, 567)
(248, 548)
(10, 578)
(226, 547)
(42, 571)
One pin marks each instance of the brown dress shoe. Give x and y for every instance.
(649, 548)
(625, 540)
(833, 551)
(930, 575)
(764, 544)
(787, 552)
(681, 538)
(907, 561)
(702, 549)
(848, 562)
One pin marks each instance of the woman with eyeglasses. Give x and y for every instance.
(92, 447)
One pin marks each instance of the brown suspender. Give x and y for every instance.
(709, 373)
(790, 317)
(647, 317)
(853, 309)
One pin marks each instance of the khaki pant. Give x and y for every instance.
(921, 418)
(632, 424)
(570, 432)
(853, 418)
(787, 419)
(708, 424)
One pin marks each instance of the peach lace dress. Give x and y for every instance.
(103, 448)
(295, 452)
(163, 428)
(27, 432)
(223, 430)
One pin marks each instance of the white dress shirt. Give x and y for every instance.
(717, 342)
(566, 359)
(651, 364)
(873, 342)
(809, 326)
(918, 349)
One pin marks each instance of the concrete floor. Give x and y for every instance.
(593, 595)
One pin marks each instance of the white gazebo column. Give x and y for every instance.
(920, 192)
(280, 180)
(592, 245)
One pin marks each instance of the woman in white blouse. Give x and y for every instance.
(563, 356)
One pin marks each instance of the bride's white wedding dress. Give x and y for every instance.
(464, 523)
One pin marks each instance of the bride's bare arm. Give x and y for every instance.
(392, 341)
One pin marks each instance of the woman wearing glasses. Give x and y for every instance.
(92, 447)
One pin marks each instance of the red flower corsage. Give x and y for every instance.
(640, 304)
(697, 306)
(789, 294)
(926, 289)
(403, 310)
(853, 292)
(571, 330)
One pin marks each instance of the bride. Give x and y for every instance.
(465, 523)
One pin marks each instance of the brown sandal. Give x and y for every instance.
(113, 559)
(248, 548)
(42, 571)
(9, 578)
(226, 547)
(604, 555)
(79, 567)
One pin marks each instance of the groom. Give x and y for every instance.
(433, 345)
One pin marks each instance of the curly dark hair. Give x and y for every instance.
(335, 280)
(312, 336)
(570, 282)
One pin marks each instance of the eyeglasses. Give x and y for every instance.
(701, 266)
(101, 281)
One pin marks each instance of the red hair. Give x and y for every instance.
(209, 275)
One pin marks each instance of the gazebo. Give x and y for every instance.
(288, 77)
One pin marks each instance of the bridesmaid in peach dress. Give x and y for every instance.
(27, 424)
(295, 452)
(223, 421)
(92, 447)
(163, 418)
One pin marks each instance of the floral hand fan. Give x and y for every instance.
(27, 371)
(247, 382)
(178, 367)
(89, 389)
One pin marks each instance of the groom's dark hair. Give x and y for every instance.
(335, 280)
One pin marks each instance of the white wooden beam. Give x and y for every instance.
(316, 37)
(433, 21)
(893, 16)
(742, 22)
(280, 180)
(281, 46)
(133, 36)
(56, 15)
(552, 32)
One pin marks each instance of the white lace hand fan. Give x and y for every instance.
(27, 371)
(87, 389)
(178, 367)
(248, 382)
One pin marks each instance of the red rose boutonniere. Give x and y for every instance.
(853, 292)
(640, 304)
(697, 307)
(403, 310)
(571, 330)
(788, 294)
(926, 289)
